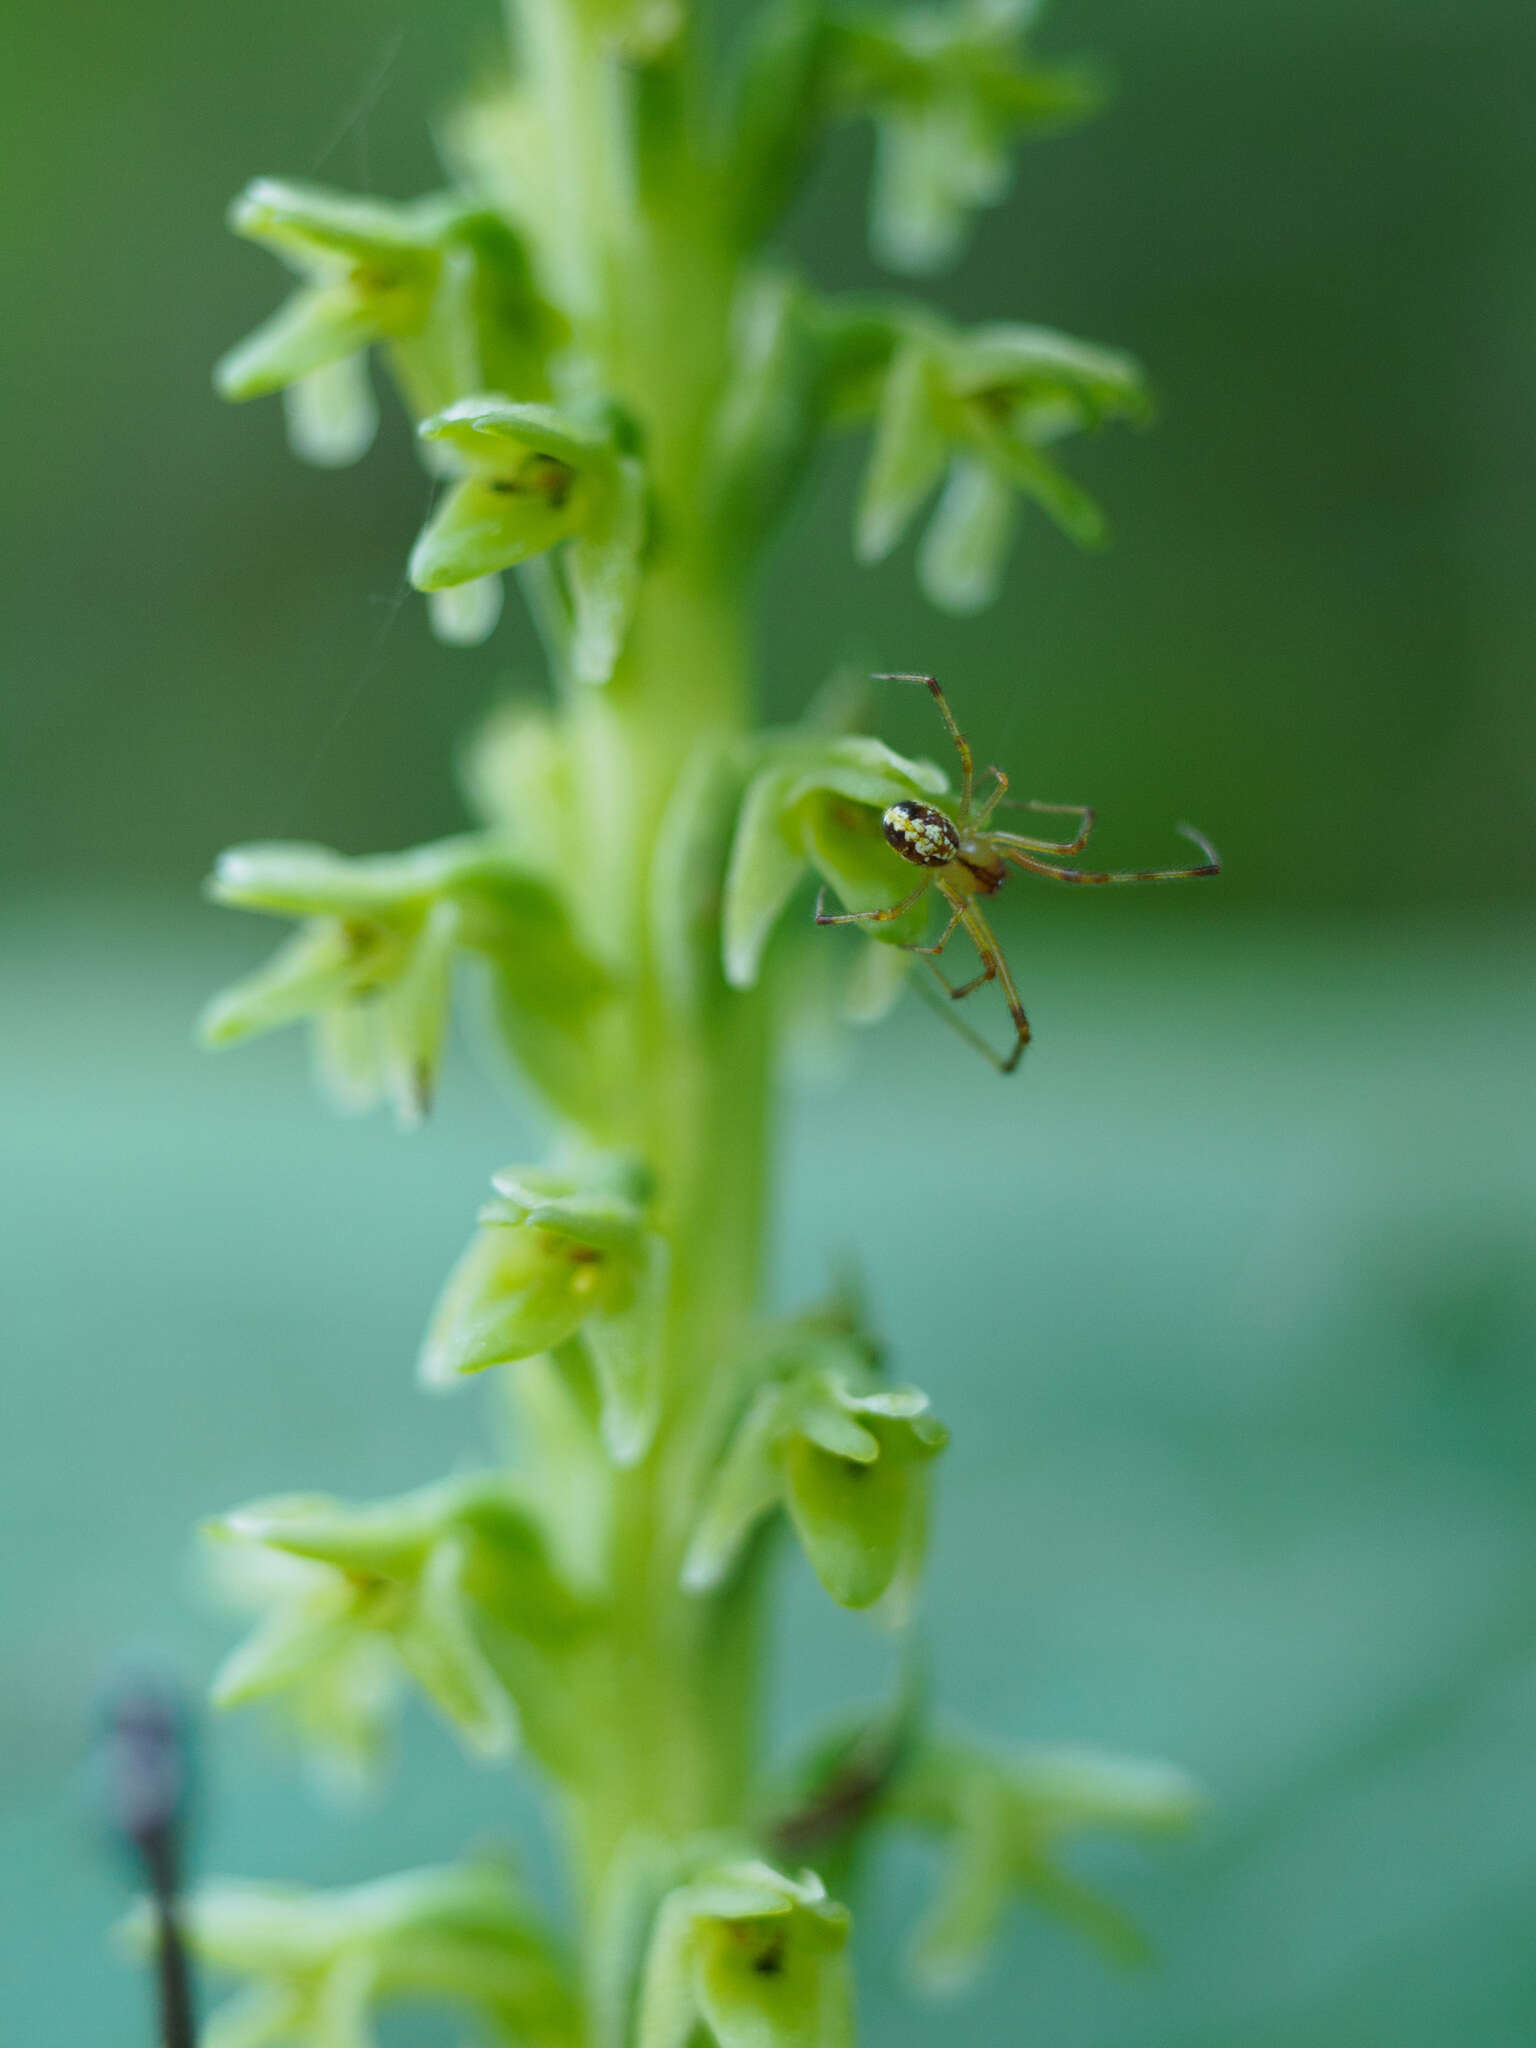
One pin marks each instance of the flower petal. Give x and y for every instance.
(312, 330)
(909, 452)
(438, 1647)
(960, 563)
(485, 523)
(466, 614)
(332, 413)
(746, 1485)
(603, 570)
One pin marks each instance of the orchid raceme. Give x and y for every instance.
(617, 380)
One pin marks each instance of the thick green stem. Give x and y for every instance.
(668, 1687)
(672, 1693)
(674, 1678)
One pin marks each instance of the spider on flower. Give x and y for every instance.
(965, 861)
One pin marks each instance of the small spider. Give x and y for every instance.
(966, 862)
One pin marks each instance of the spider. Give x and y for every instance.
(966, 861)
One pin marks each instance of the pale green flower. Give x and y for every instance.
(1007, 1821)
(815, 803)
(528, 478)
(844, 1454)
(362, 1596)
(319, 1963)
(978, 409)
(555, 1260)
(441, 282)
(371, 965)
(756, 1957)
(951, 91)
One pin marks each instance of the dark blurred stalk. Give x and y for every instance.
(144, 1790)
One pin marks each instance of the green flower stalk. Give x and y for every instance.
(619, 381)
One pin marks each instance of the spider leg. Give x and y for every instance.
(993, 800)
(1082, 812)
(948, 1015)
(985, 941)
(993, 968)
(955, 915)
(962, 744)
(966, 988)
(1010, 848)
(824, 916)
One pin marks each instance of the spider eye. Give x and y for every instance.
(921, 834)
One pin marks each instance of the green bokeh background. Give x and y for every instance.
(1231, 1297)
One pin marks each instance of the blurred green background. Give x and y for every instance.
(1233, 1316)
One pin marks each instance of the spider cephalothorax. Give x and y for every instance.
(965, 859)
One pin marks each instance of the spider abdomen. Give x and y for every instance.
(921, 834)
